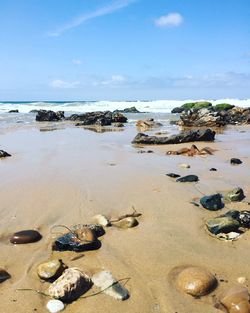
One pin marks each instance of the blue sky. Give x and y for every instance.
(124, 49)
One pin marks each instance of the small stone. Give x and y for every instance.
(223, 224)
(51, 269)
(188, 179)
(127, 222)
(236, 300)
(212, 203)
(110, 286)
(184, 165)
(4, 154)
(55, 306)
(173, 175)
(4, 275)
(235, 195)
(25, 236)
(235, 161)
(213, 169)
(70, 285)
(196, 281)
(241, 280)
(101, 220)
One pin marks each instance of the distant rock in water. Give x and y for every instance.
(4, 154)
(186, 136)
(128, 110)
(13, 111)
(99, 118)
(49, 116)
(25, 236)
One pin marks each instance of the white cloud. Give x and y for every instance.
(169, 20)
(77, 61)
(61, 84)
(108, 9)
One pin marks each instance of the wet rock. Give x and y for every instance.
(196, 281)
(212, 169)
(99, 118)
(4, 154)
(173, 175)
(212, 203)
(236, 299)
(128, 222)
(201, 118)
(49, 116)
(101, 220)
(96, 228)
(13, 111)
(110, 286)
(25, 236)
(70, 285)
(55, 306)
(118, 125)
(4, 275)
(244, 218)
(128, 110)
(147, 124)
(51, 269)
(235, 161)
(235, 195)
(222, 224)
(186, 136)
(188, 179)
(80, 239)
(183, 165)
(119, 118)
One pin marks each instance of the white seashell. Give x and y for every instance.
(106, 282)
(101, 220)
(55, 306)
(70, 285)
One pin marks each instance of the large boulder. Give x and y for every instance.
(186, 136)
(49, 116)
(192, 105)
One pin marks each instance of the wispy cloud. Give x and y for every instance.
(61, 84)
(169, 20)
(108, 9)
(77, 61)
(113, 81)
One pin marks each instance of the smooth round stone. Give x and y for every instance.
(55, 306)
(128, 222)
(101, 220)
(25, 236)
(196, 281)
(51, 269)
(235, 300)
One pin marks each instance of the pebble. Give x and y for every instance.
(235, 161)
(236, 300)
(51, 269)
(55, 306)
(212, 202)
(184, 165)
(196, 281)
(127, 222)
(188, 179)
(235, 195)
(173, 175)
(4, 275)
(101, 220)
(25, 236)
(213, 169)
(4, 154)
(70, 285)
(110, 286)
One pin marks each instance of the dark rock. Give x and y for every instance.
(145, 151)
(98, 118)
(223, 224)
(49, 116)
(25, 236)
(186, 136)
(4, 275)
(177, 110)
(4, 154)
(235, 161)
(235, 195)
(188, 179)
(212, 202)
(128, 110)
(33, 111)
(213, 169)
(118, 125)
(13, 111)
(173, 175)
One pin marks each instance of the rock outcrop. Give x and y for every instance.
(49, 116)
(99, 118)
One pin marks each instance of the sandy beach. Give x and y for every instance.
(68, 175)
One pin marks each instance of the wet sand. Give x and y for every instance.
(68, 175)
